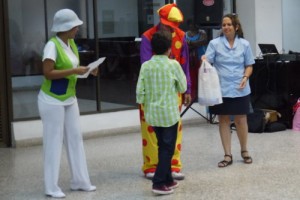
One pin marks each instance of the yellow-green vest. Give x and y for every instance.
(63, 88)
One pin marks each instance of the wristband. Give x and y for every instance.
(246, 77)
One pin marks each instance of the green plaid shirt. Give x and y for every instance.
(160, 81)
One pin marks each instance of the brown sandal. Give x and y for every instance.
(247, 159)
(225, 163)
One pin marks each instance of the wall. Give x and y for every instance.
(271, 21)
(262, 22)
(268, 20)
(29, 133)
(291, 32)
(246, 13)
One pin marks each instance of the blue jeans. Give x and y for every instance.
(166, 141)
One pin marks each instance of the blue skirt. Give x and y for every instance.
(232, 106)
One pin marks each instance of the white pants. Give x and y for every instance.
(61, 125)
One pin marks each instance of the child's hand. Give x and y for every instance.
(187, 99)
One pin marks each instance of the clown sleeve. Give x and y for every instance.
(185, 65)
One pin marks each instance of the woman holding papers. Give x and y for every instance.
(58, 106)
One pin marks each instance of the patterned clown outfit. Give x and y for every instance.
(179, 51)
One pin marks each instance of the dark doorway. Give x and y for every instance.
(5, 132)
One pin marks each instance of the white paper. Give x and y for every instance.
(91, 67)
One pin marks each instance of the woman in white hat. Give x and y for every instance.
(58, 106)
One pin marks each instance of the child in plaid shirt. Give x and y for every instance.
(161, 80)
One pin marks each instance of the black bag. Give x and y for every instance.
(274, 127)
(256, 121)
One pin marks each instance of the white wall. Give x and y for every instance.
(262, 22)
(271, 21)
(246, 13)
(291, 25)
(268, 19)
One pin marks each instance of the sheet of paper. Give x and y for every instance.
(91, 67)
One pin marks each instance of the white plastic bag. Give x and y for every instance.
(209, 89)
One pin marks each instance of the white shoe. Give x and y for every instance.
(91, 188)
(178, 175)
(149, 175)
(59, 194)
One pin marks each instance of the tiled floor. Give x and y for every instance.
(115, 168)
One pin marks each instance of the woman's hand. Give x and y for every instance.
(246, 76)
(243, 82)
(95, 72)
(80, 70)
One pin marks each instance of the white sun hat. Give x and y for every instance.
(65, 20)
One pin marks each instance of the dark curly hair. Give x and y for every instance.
(161, 42)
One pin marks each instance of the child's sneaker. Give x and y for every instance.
(162, 190)
(172, 185)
